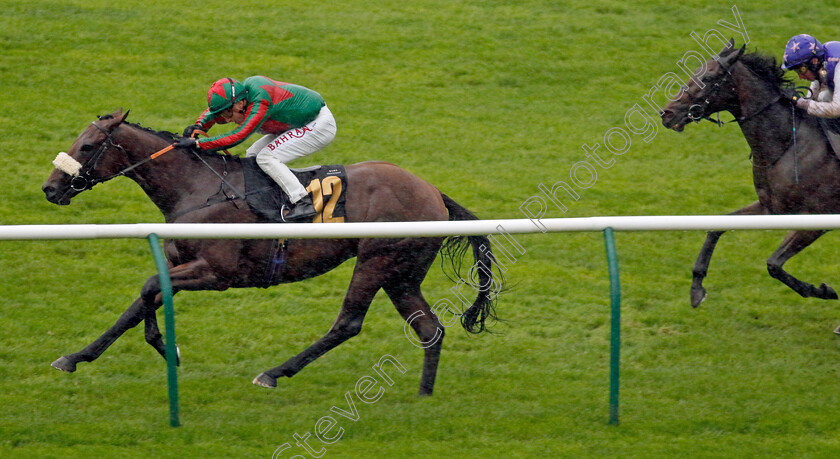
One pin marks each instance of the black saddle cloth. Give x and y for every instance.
(268, 200)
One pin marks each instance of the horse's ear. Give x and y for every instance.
(123, 117)
(728, 58)
(728, 48)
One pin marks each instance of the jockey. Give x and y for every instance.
(816, 63)
(295, 120)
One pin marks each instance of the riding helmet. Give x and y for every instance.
(224, 93)
(800, 49)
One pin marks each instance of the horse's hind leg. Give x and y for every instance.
(403, 288)
(416, 311)
(701, 267)
(367, 280)
(795, 242)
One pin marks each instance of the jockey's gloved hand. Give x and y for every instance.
(791, 94)
(188, 143)
(188, 132)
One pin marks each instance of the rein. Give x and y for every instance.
(744, 118)
(715, 89)
(224, 181)
(83, 181)
(795, 161)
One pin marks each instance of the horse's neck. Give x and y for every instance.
(174, 179)
(767, 128)
(769, 134)
(778, 159)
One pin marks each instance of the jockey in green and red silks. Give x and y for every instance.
(295, 122)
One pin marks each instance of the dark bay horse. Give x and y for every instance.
(181, 181)
(793, 173)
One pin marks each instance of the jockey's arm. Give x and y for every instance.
(827, 109)
(205, 121)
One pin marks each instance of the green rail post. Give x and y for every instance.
(169, 317)
(615, 327)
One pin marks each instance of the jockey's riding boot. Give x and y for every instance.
(302, 210)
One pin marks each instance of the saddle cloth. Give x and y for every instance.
(326, 184)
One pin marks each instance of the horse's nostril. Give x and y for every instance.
(49, 192)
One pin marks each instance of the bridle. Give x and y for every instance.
(696, 111)
(723, 77)
(83, 181)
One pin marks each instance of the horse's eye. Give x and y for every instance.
(86, 147)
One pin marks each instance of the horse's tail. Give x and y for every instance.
(490, 280)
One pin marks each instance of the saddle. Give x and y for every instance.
(326, 184)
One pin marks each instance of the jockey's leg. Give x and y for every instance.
(280, 173)
(276, 151)
(259, 145)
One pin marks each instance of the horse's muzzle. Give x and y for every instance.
(53, 196)
(670, 121)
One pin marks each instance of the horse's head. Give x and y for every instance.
(708, 91)
(89, 161)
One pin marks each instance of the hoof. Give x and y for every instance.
(827, 293)
(64, 364)
(698, 294)
(264, 380)
(837, 330)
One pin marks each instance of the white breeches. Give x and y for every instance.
(274, 151)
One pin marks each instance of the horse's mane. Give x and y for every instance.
(165, 135)
(767, 68)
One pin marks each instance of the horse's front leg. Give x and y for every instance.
(155, 339)
(795, 242)
(701, 267)
(195, 275)
(129, 319)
